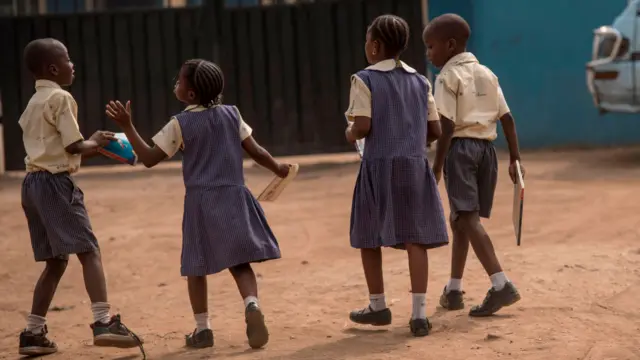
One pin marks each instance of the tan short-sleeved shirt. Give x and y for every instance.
(49, 124)
(360, 95)
(469, 94)
(169, 139)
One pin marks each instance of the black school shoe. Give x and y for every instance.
(199, 340)
(36, 344)
(375, 318)
(420, 327)
(452, 300)
(257, 332)
(114, 334)
(496, 300)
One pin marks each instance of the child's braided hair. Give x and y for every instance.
(206, 79)
(393, 31)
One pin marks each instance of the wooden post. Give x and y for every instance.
(2, 166)
(425, 21)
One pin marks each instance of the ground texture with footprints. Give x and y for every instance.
(578, 270)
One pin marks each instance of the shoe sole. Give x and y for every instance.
(377, 323)
(420, 333)
(382, 322)
(257, 329)
(514, 300)
(36, 351)
(201, 345)
(452, 308)
(116, 341)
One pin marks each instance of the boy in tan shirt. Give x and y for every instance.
(470, 102)
(53, 203)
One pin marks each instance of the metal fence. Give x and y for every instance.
(286, 67)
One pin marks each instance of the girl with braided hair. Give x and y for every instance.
(224, 226)
(396, 201)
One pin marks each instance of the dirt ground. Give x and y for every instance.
(578, 270)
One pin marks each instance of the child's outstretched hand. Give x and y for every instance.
(119, 113)
(283, 170)
(513, 171)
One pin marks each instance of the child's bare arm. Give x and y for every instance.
(149, 156)
(434, 131)
(509, 129)
(359, 129)
(261, 156)
(89, 148)
(444, 142)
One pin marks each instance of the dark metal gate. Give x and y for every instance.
(286, 67)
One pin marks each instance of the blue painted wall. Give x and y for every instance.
(539, 50)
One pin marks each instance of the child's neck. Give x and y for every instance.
(48, 78)
(395, 59)
(456, 53)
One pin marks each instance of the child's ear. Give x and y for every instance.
(191, 95)
(452, 44)
(53, 70)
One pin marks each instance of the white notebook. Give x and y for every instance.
(359, 143)
(518, 201)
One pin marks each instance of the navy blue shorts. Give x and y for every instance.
(471, 175)
(58, 221)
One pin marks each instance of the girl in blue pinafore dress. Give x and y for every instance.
(396, 201)
(224, 226)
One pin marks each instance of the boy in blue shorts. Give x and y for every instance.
(54, 204)
(470, 102)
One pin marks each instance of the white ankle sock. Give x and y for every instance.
(454, 285)
(35, 323)
(377, 302)
(251, 299)
(499, 280)
(100, 312)
(202, 321)
(419, 306)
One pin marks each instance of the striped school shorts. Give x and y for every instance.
(470, 175)
(57, 218)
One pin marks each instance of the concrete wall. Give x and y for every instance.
(539, 50)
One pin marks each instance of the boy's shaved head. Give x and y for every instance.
(449, 26)
(40, 53)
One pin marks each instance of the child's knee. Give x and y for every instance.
(240, 269)
(415, 248)
(57, 267)
(89, 257)
(465, 221)
(374, 251)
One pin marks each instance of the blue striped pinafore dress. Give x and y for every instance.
(223, 224)
(396, 199)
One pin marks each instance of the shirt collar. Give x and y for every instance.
(462, 58)
(41, 83)
(195, 108)
(390, 64)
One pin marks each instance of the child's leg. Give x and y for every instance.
(107, 330)
(202, 336)
(257, 331)
(502, 293)
(452, 297)
(376, 313)
(45, 289)
(33, 341)
(38, 198)
(419, 273)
